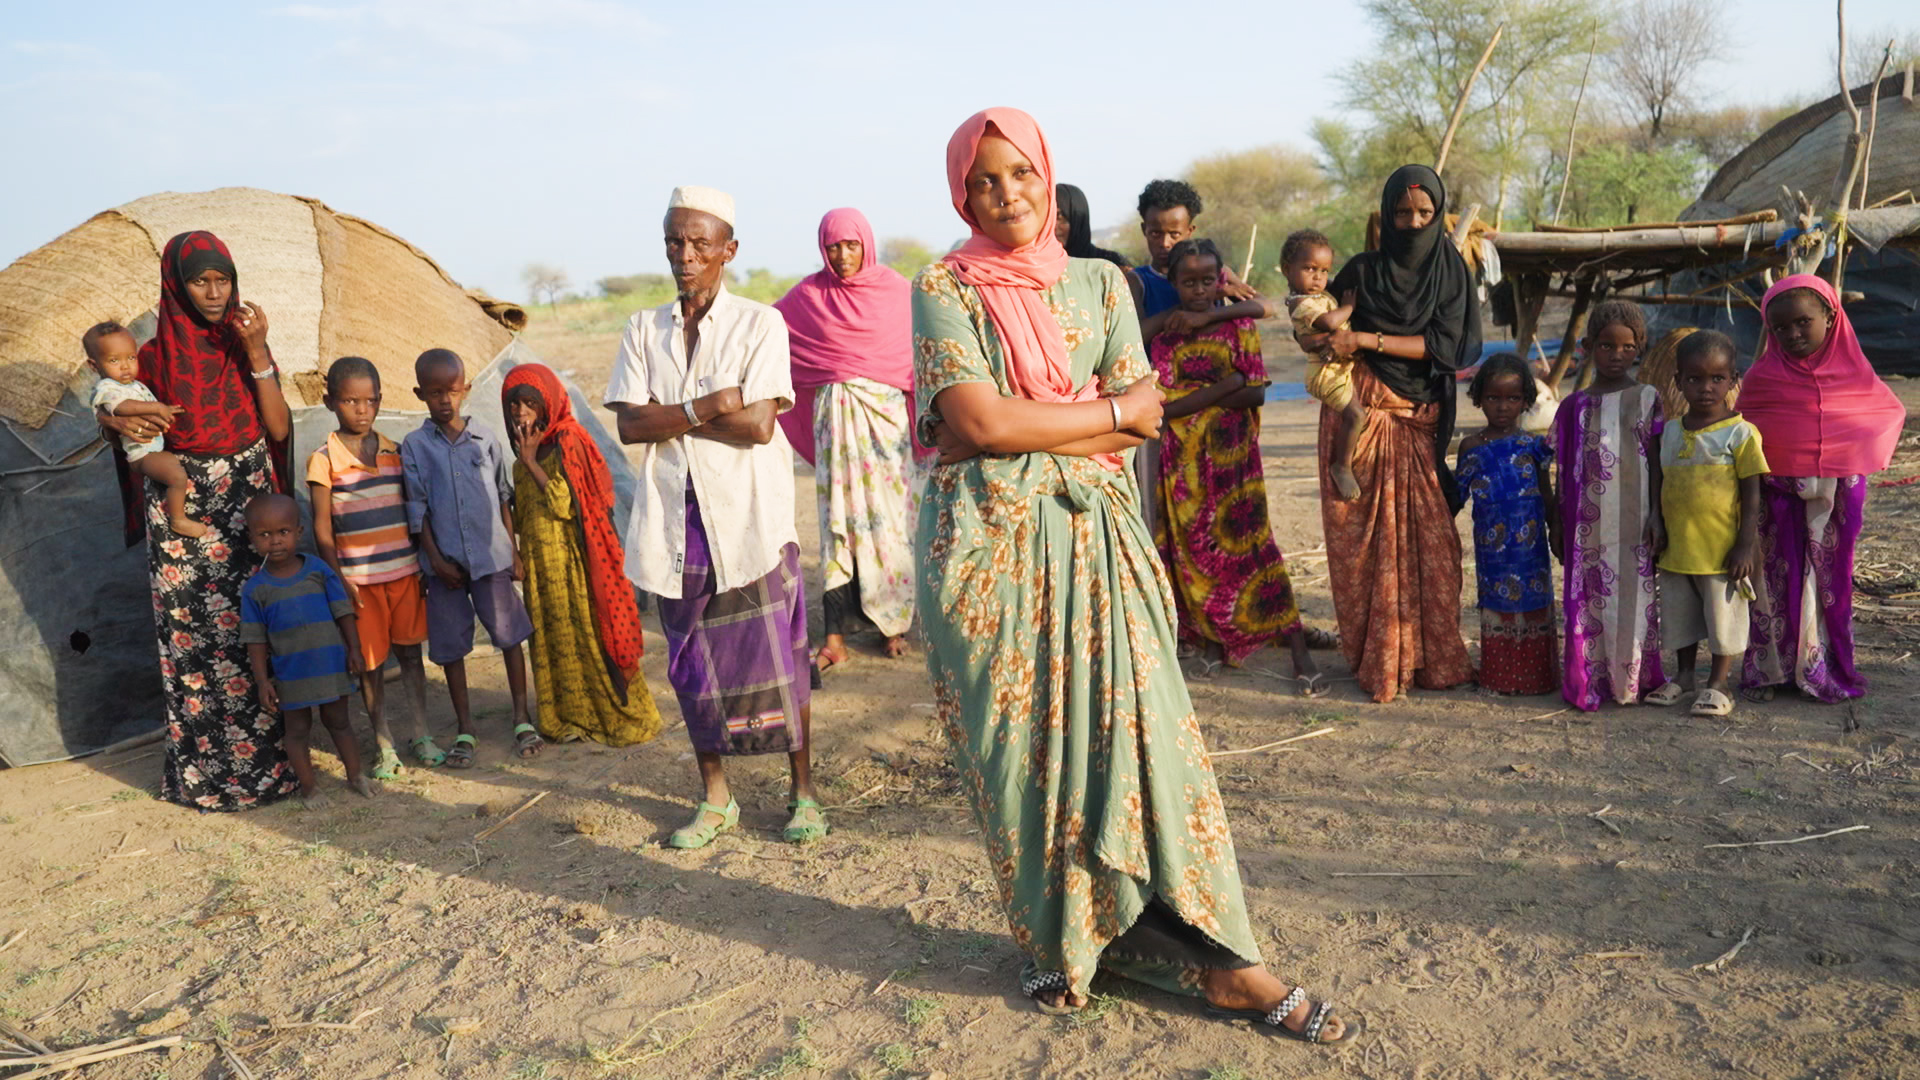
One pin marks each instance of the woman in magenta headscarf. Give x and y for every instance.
(1049, 617)
(1827, 422)
(852, 340)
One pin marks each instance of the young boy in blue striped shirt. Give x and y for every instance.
(298, 626)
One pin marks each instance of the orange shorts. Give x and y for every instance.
(390, 613)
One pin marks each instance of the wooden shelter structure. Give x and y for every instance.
(1751, 222)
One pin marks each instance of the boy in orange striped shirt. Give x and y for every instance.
(360, 527)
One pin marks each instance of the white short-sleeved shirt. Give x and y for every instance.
(745, 493)
(109, 393)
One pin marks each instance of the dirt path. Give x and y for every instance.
(1563, 947)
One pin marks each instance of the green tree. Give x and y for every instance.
(1272, 187)
(905, 255)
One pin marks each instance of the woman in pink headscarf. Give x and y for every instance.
(1827, 422)
(852, 340)
(1049, 617)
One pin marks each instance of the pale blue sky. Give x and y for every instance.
(492, 133)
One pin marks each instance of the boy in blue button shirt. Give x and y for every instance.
(457, 488)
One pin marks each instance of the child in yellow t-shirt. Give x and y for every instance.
(1307, 260)
(1706, 487)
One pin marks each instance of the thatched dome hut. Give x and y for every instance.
(78, 667)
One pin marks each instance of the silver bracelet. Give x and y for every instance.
(272, 372)
(693, 419)
(1115, 402)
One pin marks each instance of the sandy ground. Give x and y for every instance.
(350, 942)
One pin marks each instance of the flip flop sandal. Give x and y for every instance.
(388, 767)
(807, 823)
(1275, 1021)
(695, 836)
(1711, 702)
(1318, 638)
(1669, 693)
(1314, 685)
(426, 753)
(1034, 983)
(461, 756)
(527, 740)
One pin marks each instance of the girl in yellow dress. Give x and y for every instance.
(586, 644)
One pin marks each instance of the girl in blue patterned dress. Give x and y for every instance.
(1508, 473)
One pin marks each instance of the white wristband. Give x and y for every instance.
(272, 372)
(693, 419)
(1115, 402)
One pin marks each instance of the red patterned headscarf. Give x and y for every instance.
(200, 366)
(614, 612)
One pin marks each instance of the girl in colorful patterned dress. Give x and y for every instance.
(1603, 438)
(1230, 584)
(1505, 471)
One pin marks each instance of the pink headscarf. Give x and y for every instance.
(859, 327)
(1828, 415)
(1010, 280)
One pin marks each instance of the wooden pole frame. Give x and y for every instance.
(1460, 106)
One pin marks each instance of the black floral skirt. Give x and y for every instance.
(223, 749)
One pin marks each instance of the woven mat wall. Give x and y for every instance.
(272, 240)
(387, 301)
(104, 269)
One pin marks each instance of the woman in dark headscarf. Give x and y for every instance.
(209, 357)
(1073, 227)
(1393, 554)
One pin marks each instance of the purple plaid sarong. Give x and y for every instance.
(738, 659)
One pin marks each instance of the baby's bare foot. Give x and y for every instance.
(1344, 482)
(187, 527)
(366, 786)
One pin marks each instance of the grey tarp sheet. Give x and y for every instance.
(67, 580)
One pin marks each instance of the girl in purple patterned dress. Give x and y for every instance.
(1603, 436)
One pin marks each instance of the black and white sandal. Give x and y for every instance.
(1034, 982)
(1276, 1019)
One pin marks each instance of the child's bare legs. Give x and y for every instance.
(164, 468)
(300, 755)
(413, 683)
(1718, 672)
(516, 661)
(800, 762)
(1688, 676)
(456, 674)
(335, 717)
(1304, 668)
(1340, 470)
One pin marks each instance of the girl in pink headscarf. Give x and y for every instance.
(1827, 422)
(852, 341)
(1049, 617)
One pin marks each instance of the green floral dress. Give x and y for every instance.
(1049, 623)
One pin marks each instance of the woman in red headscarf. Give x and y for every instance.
(586, 646)
(851, 336)
(1049, 617)
(209, 357)
(1827, 422)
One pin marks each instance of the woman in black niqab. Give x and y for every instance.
(1393, 553)
(1072, 206)
(1416, 285)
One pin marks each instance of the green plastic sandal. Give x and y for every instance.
(694, 836)
(461, 756)
(388, 767)
(427, 752)
(808, 823)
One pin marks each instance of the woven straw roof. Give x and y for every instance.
(332, 285)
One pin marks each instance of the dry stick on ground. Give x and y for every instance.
(22, 1039)
(351, 1025)
(613, 1057)
(1720, 962)
(1600, 816)
(1573, 125)
(87, 1055)
(234, 1065)
(1271, 745)
(8, 944)
(1613, 956)
(1795, 840)
(64, 1002)
(1460, 106)
(505, 821)
(1545, 716)
(1399, 873)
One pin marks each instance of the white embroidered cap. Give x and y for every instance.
(705, 199)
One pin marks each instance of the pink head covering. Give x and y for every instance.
(859, 327)
(1827, 415)
(1010, 280)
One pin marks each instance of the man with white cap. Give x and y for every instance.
(698, 385)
